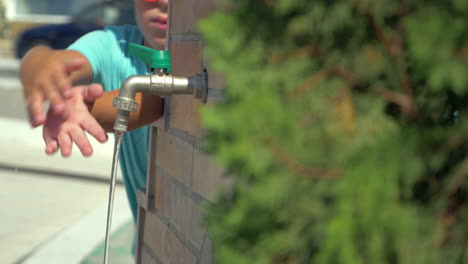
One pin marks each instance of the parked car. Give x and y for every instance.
(93, 17)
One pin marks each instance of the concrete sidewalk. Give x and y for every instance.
(54, 208)
(24, 149)
(83, 240)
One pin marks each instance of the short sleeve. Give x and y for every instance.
(105, 50)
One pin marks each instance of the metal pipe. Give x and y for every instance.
(156, 84)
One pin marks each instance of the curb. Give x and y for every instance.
(56, 173)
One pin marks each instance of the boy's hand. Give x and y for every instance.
(48, 74)
(63, 129)
(52, 83)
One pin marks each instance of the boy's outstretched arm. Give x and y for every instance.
(150, 109)
(48, 74)
(90, 110)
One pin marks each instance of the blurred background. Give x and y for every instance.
(53, 209)
(351, 148)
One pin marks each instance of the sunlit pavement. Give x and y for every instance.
(119, 247)
(54, 209)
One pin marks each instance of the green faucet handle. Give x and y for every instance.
(157, 59)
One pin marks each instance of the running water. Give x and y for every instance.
(115, 162)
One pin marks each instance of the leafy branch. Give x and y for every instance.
(296, 166)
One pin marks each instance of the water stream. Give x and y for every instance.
(115, 162)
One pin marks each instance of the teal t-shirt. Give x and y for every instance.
(107, 52)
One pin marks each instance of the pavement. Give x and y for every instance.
(54, 209)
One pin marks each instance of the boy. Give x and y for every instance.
(73, 81)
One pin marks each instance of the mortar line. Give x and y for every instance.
(179, 234)
(186, 37)
(53, 173)
(148, 250)
(197, 198)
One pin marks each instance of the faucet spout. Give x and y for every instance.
(132, 85)
(155, 84)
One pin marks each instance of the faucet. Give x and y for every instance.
(159, 82)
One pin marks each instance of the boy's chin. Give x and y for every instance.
(156, 43)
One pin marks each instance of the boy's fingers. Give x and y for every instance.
(56, 100)
(51, 145)
(70, 66)
(58, 108)
(74, 64)
(61, 80)
(91, 126)
(65, 144)
(92, 92)
(81, 140)
(35, 109)
(50, 142)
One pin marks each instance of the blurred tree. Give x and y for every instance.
(345, 125)
(3, 21)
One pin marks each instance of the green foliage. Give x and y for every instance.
(345, 127)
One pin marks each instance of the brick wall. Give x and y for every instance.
(181, 177)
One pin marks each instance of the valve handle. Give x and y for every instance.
(157, 59)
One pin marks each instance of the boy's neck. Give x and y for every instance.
(157, 47)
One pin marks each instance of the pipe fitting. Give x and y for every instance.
(121, 121)
(167, 85)
(124, 103)
(199, 84)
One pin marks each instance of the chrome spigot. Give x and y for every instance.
(160, 82)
